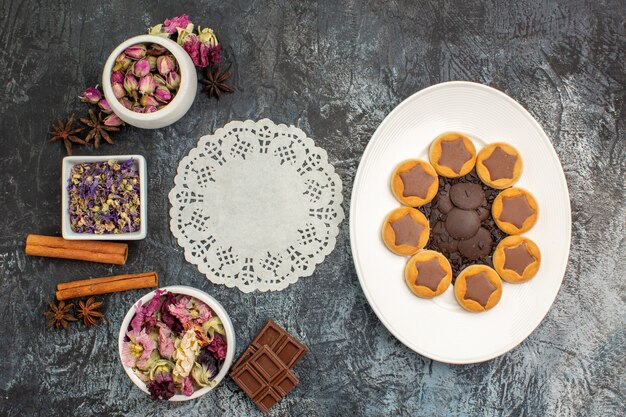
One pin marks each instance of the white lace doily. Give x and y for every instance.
(256, 205)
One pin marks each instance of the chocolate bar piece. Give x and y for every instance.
(264, 378)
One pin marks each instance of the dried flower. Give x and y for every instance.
(162, 387)
(172, 25)
(164, 341)
(59, 315)
(122, 62)
(146, 85)
(118, 90)
(165, 64)
(185, 354)
(113, 120)
(218, 347)
(130, 83)
(192, 46)
(104, 197)
(163, 94)
(148, 101)
(137, 350)
(137, 51)
(141, 68)
(191, 311)
(168, 318)
(65, 131)
(186, 387)
(104, 106)
(152, 61)
(126, 103)
(137, 108)
(172, 80)
(91, 95)
(88, 311)
(158, 80)
(157, 30)
(150, 109)
(117, 77)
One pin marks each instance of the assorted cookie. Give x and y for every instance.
(405, 231)
(478, 288)
(452, 154)
(428, 274)
(460, 211)
(515, 211)
(414, 183)
(517, 259)
(499, 165)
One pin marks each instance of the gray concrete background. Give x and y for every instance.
(335, 70)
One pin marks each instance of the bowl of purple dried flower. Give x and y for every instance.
(149, 81)
(176, 343)
(104, 197)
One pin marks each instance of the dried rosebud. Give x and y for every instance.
(152, 61)
(165, 64)
(207, 36)
(156, 50)
(149, 109)
(138, 109)
(172, 81)
(118, 90)
(126, 103)
(91, 95)
(122, 62)
(117, 77)
(104, 106)
(137, 51)
(163, 94)
(141, 68)
(158, 80)
(130, 83)
(146, 85)
(113, 120)
(148, 101)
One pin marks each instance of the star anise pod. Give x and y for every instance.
(59, 315)
(215, 83)
(98, 129)
(65, 131)
(88, 311)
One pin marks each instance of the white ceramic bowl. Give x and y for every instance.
(176, 108)
(68, 163)
(216, 307)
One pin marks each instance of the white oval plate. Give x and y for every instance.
(439, 328)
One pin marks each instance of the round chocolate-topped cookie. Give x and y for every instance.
(405, 231)
(517, 259)
(467, 195)
(414, 182)
(452, 154)
(428, 274)
(515, 211)
(499, 165)
(478, 288)
(462, 224)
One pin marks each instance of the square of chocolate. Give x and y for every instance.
(290, 351)
(267, 399)
(249, 380)
(270, 335)
(285, 382)
(250, 350)
(267, 364)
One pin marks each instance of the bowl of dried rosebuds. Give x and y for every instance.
(149, 81)
(176, 343)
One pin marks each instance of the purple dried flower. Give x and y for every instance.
(91, 95)
(152, 61)
(156, 50)
(218, 347)
(130, 83)
(113, 120)
(168, 318)
(148, 101)
(137, 51)
(192, 46)
(165, 64)
(104, 106)
(122, 62)
(146, 85)
(162, 386)
(149, 109)
(186, 387)
(117, 77)
(126, 103)
(163, 94)
(172, 25)
(172, 80)
(118, 90)
(141, 68)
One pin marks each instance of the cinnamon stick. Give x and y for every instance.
(94, 251)
(105, 285)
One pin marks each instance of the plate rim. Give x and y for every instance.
(358, 178)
